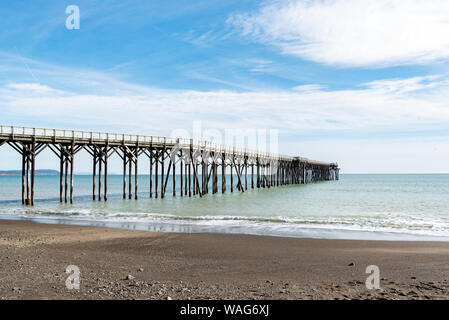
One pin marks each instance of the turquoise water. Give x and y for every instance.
(383, 207)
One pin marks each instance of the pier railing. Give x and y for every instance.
(141, 139)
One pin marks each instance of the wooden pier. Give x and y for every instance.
(199, 163)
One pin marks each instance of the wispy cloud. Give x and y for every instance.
(352, 32)
(308, 87)
(31, 87)
(408, 85)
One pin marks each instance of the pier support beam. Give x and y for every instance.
(174, 177)
(190, 179)
(150, 155)
(246, 172)
(181, 171)
(252, 175)
(223, 173)
(27, 158)
(232, 176)
(136, 171)
(258, 173)
(130, 174)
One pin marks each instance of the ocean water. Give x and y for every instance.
(374, 207)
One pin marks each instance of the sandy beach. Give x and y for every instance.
(123, 264)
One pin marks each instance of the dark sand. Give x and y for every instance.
(33, 259)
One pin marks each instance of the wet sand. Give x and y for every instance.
(124, 264)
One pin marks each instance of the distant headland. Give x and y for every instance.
(40, 172)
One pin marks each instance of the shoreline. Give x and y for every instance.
(211, 266)
(232, 226)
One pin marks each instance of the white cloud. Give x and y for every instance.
(34, 88)
(352, 32)
(394, 105)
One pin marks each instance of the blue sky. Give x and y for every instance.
(360, 82)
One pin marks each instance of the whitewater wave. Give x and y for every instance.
(381, 227)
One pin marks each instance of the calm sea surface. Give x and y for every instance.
(383, 207)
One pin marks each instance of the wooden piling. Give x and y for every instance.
(246, 173)
(174, 177)
(232, 176)
(94, 172)
(130, 175)
(223, 173)
(258, 173)
(190, 180)
(106, 156)
(61, 174)
(167, 176)
(252, 175)
(100, 165)
(193, 178)
(203, 177)
(72, 155)
(136, 175)
(124, 171)
(162, 174)
(28, 178)
(33, 169)
(186, 177)
(181, 169)
(23, 173)
(151, 172)
(268, 176)
(66, 181)
(156, 176)
(214, 179)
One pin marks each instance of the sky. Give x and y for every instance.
(364, 83)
